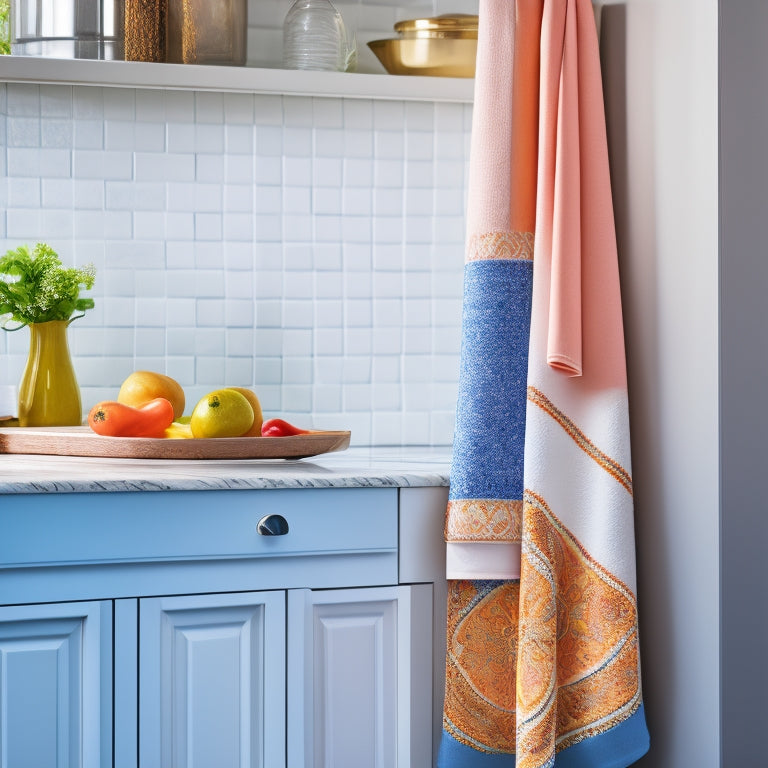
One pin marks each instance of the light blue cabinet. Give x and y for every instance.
(212, 680)
(56, 685)
(162, 630)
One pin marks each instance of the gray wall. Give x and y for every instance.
(744, 376)
(660, 70)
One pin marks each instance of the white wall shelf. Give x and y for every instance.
(129, 74)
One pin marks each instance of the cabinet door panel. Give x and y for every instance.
(55, 685)
(357, 679)
(212, 681)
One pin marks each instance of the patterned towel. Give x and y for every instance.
(543, 662)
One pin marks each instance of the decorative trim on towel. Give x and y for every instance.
(579, 638)
(500, 245)
(484, 520)
(611, 466)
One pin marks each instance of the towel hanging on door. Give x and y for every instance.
(543, 661)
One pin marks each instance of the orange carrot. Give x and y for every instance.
(119, 420)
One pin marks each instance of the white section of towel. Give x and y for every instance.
(587, 499)
(482, 560)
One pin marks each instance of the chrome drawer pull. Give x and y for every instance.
(272, 525)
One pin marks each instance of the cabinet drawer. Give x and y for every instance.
(193, 525)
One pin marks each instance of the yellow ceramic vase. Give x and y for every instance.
(48, 393)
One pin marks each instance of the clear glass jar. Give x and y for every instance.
(314, 37)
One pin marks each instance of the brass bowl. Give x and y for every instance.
(432, 56)
(448, 25)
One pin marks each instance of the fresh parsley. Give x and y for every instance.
(35, 287)
(5, 27)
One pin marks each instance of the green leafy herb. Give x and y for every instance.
(36, 288)
(5, 27)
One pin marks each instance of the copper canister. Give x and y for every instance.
(207, 31)
(145, 30)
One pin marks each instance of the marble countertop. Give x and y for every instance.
(358, 467)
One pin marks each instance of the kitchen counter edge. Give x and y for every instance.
(397, 467)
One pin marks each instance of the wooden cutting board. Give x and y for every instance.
(83, 441)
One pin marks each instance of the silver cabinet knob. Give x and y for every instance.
(272, 525)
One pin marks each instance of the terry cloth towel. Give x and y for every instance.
(543, 663)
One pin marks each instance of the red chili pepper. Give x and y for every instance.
(115, 419)
(280, 428)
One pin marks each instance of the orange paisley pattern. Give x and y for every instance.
(546, 665)
(479, 706)
(484, 520)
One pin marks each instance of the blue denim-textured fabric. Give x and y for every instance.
(490, 413)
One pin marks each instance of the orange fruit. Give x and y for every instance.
(142, 386)
(222, 413)
(258, 417)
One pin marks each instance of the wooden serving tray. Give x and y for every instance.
(83, 441)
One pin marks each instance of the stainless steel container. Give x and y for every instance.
(67, 29)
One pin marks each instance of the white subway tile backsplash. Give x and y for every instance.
(358, 113)
(55, 101)
(388, 286)
(208, 226)
(181, 313)
(209, 107)
(151, 341)
(268, 370)
(148, 225)
(329, 341)
(327, 113)
(268, 109)
(23, 131)
(89, 193)
(388, 115)
(238, 198)
(386, 397)
(56, 133)
(106, 102)
(358, 341)
(389, 144)
(386, 369)
(387, 340)
(238, 108)
(209, 168)
(421, 173)
(22, 100)
(209, 369)
(327, 172)
(58, 193)
(357, 174)
(209, 137)
(297, 111)
(357, 397)
(297, 342)
(23, 192)
(358, 143)
(327, 400)
(238, 371)
(237, 227)
(23, 223)
(309, 247)
(180, 137)
(88, 134)
(57, 224)
(208, 197)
